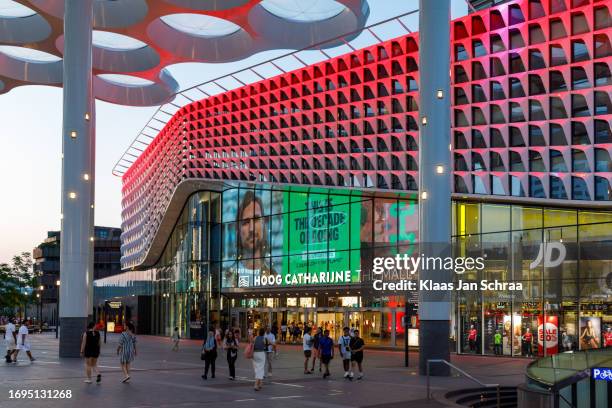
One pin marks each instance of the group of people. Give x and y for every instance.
(17, 340)
(321, 346)
(90, 351)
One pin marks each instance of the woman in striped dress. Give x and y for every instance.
(127, 350)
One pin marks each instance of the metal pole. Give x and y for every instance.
(435, 172)
(406, 325)
(427, 369)
(105, 321)
(77, 174)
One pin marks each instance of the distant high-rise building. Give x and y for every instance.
(107, 256)
(483, 4)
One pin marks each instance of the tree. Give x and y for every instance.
(16, 281)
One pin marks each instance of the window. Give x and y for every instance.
(557, 109)
(579, 189)
(497, 116)
(579, 134)
(478, 117)
(516, 163)
(536, 35)
(516, 139)
(516, 64)
(497, 91)
(536, 137)
(603, 191)
(535, 162)
(579, 78)
(478, 71)
(557, 82)
(579, 106)
(602, 46)
(478, 94)
(516, 88)
(602, 18)
(579, 161)
(536, 86)
(516, 39)
(602, 103)
(497, 187)
(497, 44)
(478, 48)
(557, 136)
(479, 187)
(460, 186)
(602, 74)
(497, 68)
(516, 15)
(536, 189)
(536, 60)
(536, 112)
(557, 189)
(602, 132)
(497, 140)
(460, 141)
(557, 162)
(460, 163)
(497, 164)
(478, 141)
(579, 51)
(460, 53)
(460, 75)
(516, 112)
(557, 56)
(602, 161)
(516, 187)
(579, 24)
(557, 29)
(460, 96)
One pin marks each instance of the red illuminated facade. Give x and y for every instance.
(531, 117)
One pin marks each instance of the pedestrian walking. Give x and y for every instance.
(497, 343)
(10, 339)
(90, 350)
(316, 353)
(270, 351)
(307, 346)
(326, 347)
(23, 342)
(230, 344)
(357, 346)
(176, 338)
(260, 346)
(283, 332)
(127, 350)
(344, 346)
(209, 355)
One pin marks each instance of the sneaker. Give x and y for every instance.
(32, 359)
(87, 381)
(204, 377)
(360, 376)
(126, 379)
(231, 378)
(98, 378)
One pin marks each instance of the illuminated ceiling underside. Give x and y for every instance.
(134, 40)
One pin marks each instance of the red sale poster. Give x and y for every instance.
(550, 332)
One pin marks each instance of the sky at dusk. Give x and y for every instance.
(30, 144)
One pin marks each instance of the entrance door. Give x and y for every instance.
(332, 321)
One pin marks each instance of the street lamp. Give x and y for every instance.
(38, 297)
(40, 327)
(57, 318)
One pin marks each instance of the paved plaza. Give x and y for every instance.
(163, 378)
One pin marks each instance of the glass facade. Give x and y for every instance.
(562, 259)
(257, 256)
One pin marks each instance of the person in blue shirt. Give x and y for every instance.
(326, 348)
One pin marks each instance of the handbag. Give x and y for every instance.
(249, 350)
(203, 355)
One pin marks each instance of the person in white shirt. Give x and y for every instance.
(23, 343)
(344, 345)
(270, 351)
(307, 343)
(9, 339)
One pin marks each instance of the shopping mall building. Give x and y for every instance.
(268, 203)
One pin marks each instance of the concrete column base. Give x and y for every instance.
(433, 344)
(70, 336)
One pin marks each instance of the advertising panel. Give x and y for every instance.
(548, 333)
